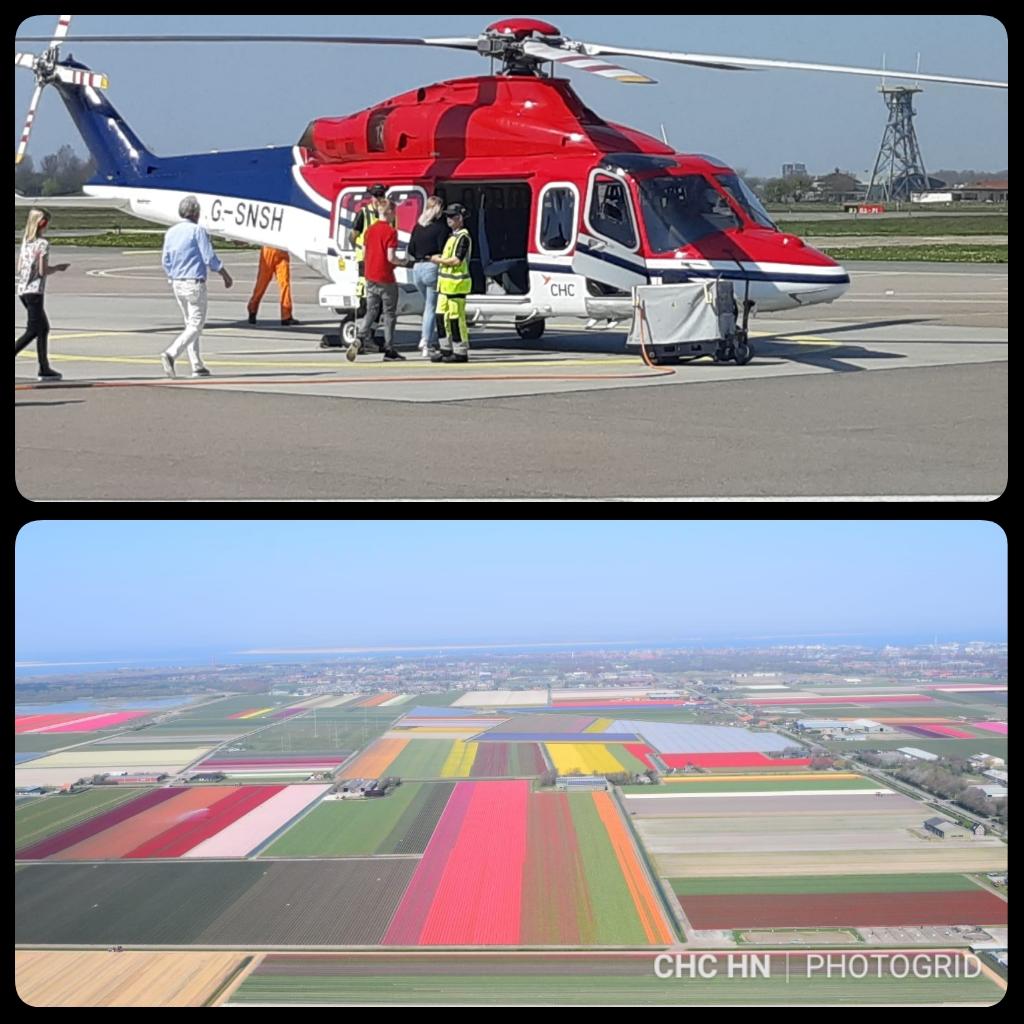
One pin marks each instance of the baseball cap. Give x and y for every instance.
(455, 210)
(378, 190)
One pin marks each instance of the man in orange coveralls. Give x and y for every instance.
(273, 262)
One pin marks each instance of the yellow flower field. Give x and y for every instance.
(459, 760)
(587, 758)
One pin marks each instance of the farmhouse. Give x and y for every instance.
(946, 829)
(996, 776)
(986, 761)
(355, 789)
(138, 779)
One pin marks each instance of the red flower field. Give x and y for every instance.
(848, 909)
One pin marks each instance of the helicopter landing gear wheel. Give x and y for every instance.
(724, 354)
(530, 330)
(743, 353)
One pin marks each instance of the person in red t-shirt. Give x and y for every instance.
(381, 243)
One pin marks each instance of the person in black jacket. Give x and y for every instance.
(428, 238)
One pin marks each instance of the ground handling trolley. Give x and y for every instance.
(678, 323)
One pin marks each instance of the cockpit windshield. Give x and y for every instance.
(745, 197)
(681, 210)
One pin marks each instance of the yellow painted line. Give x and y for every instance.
(477, 367)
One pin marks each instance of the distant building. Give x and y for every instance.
(986, 760)
(996, 776)
(579, 783)
(207, 777)
(921, 755)
(984, 192)
(355, 789)
(946, 829)
(794, 170)
(992, 792)
(139, 779)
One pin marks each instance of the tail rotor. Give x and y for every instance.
(48, 69)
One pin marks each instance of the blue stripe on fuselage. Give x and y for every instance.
(680, 276)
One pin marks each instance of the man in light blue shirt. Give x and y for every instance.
(188, 255)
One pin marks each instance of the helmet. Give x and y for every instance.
(378, 191)
(455, 210)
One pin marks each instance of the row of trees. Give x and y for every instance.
(950, 784)
(60, 174)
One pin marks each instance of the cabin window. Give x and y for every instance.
(609, 213)
(558, 219)
(409, 204)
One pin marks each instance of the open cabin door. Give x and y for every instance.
(608, 246)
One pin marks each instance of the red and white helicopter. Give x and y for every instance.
(567, 211)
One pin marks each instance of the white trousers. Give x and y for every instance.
(191, 296)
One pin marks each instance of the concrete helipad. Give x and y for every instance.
(699, 430)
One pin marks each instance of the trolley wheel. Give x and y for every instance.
(744, 352)
(531, 330)
(349, 330)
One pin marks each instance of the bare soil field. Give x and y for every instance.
(663, 835)
(85, 978)
(833, 862)
(736, 806)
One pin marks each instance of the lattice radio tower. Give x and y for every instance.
(899, 167)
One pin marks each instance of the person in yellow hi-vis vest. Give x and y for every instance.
(273, 262)
(367, 216)
(453, 285)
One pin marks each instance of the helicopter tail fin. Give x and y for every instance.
(120, 156)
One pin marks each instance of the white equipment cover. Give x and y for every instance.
(682, 314)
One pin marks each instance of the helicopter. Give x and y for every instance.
(568, 212)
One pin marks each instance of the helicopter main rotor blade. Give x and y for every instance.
(63, 24)
(24, 60)
(582, 62)
(456, 43)
(27, 130)
(754, 64)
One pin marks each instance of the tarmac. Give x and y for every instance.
(815, 416)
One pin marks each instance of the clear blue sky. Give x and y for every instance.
(182, 99)
(125, 587)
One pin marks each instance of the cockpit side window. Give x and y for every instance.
(746, 198)
(609, 213)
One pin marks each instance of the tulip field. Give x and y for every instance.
(506, 866)
(200, 821)
(447, 759)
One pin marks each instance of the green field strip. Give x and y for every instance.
(37, 743)
(421, 759)
(756, 885)
(415, 826)
(589, 988)
(47, 815)
(341, 828)
(142, 903)
(631, 764)
(615, 913)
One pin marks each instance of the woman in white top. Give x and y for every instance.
(33, 270)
